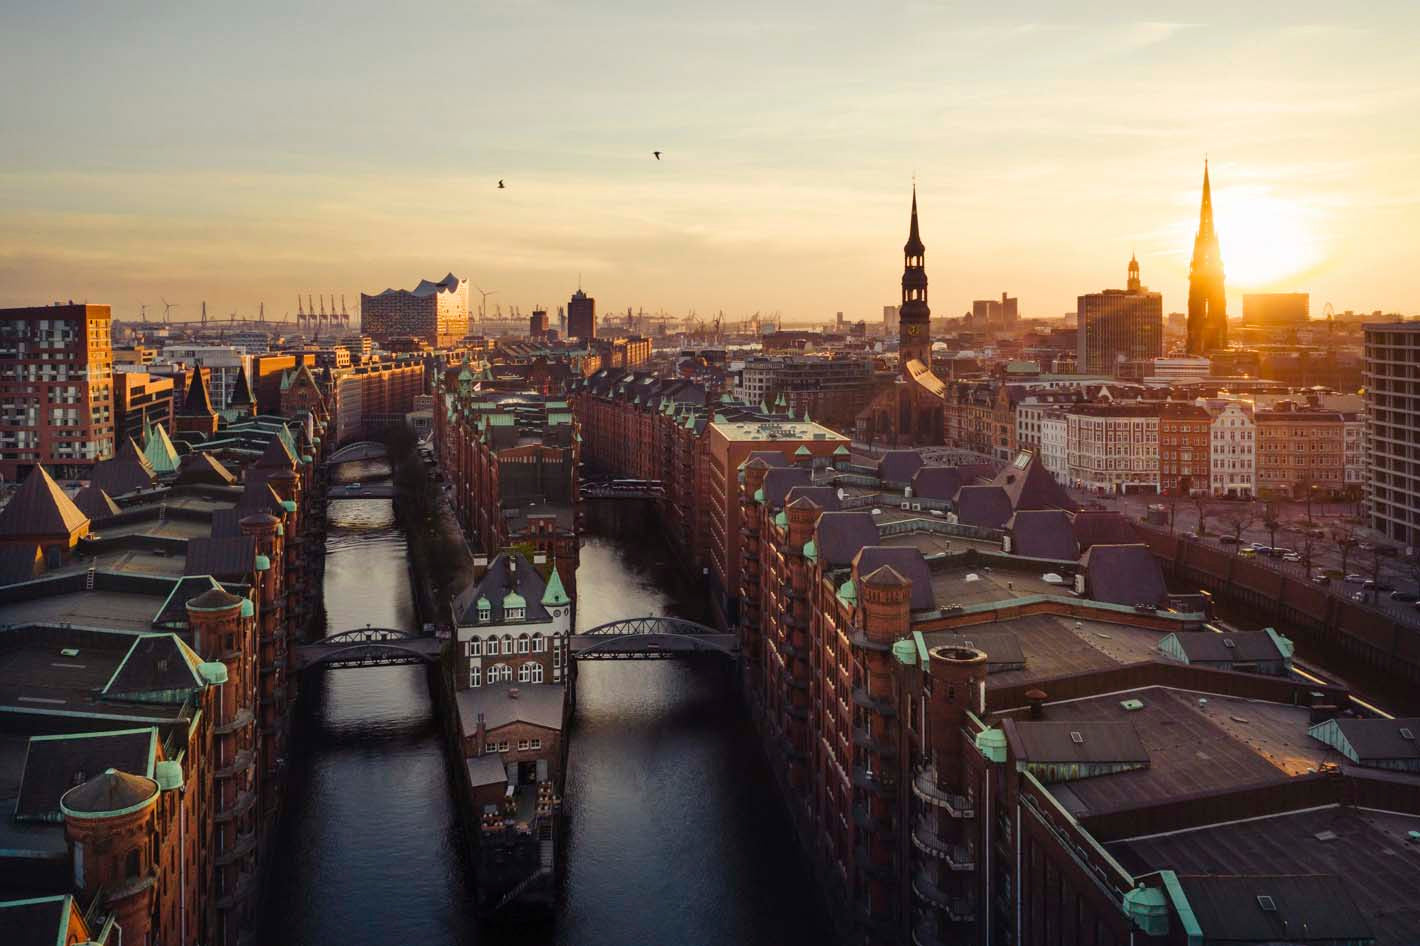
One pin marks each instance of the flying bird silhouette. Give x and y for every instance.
(657, 154)
(500, 184)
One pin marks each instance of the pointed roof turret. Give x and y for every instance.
(40, 507)
(197, 403)
(555, 594)
(159, 450)
(242, 395)
(95, 503)
(914, 245)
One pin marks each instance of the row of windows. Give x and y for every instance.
(502, 673)
(537, 644)
(502, 746)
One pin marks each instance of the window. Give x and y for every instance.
(514, 614)
(502, 745)
(474, 648)
(475, 676)
(485, 614)
(525, 673)
(522, 645)
(539, 643)
(507, 645)
(536, 673)
(500, 673)
(522, 745)
(537, 743)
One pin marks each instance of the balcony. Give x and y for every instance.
(244, 888)
(924, 786)
(860, 640)
(881, 827)
(243, 718)
(956, 856)
(863, 739)
(873, 782)
(881, 707)
(958, 909)
(244, 846)
(245, 801)
(244, 761)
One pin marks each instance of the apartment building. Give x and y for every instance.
(1300, 452)
(1114, 448)
(1232, 448)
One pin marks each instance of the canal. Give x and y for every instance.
(674, 831)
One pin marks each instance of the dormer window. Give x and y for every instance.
(515, 614)
(485, 614)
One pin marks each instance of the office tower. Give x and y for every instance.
(1276, 308)
(581, 316)
(1119, 325)
(1393, 428)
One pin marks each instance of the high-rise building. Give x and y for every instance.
(1119, 325)
(995, 314)
(436, 312)
(140, 401)
(889, 320)
(1276, 308)
(56, 389)
(1207, 302)
(914, 316)
(1393, 428)
(581, 316)
(538, 324)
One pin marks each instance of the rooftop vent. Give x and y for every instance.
(74, 652)
(1267, 904)
(1077, 737)
(1132, 706)
(1229, 642)
(1405, 733)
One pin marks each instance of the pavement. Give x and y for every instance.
(1397, 571)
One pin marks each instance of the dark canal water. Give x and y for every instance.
(675, 834)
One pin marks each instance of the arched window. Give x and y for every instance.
(507, 643)
(500, 673)
(523, 644)
(536, 673)
(525, 673)
(539, 644)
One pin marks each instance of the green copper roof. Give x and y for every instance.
(555, 593)
(759, 495)
(763, 407)
(168, 775)
(689, 422)
(307, 458)
(992, 744)
(289, 505)
(483, 604)
(803, 451)
(726, 398)
(810, 550)
(1148, 907)
(781, 520)
(513, 600)
(213, 671)
(263, 563)
(248, 609)
(905, 651)
(159, 450)
(840, 451)
(847, 591)
(720, 418)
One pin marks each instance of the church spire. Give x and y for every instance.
(914, 317)
(1207, 300)
(1134, 283)
(1205, 212)
(914, 245)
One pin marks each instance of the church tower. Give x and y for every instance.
(1207, 304)
(914, 318)
(1134, 283)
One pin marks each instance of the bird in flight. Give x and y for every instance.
(657, 154)
(500, 183)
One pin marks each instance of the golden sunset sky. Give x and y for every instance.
(247, 152)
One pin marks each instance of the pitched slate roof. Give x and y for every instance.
(204, 468)
(55, 764)
(162, 456)
(1304, 908)
(937, 482)
(40, 507)
(156, 663)
(508, 574)
(20, 562)
(197, 402)
(1042, 533)
(38, 921)
(484, 770)
(260, 497)
(1102, 527)
(899, 466)
(277, 455)
(110, 790)
(908, 563)
(824, 497)
(173, 612)
(95, 503)
(839, 536)
(1124, 574)
(125, 472)
(229, 558)
(1030, 486)
(227, 521)
(1100, 742)
(1376, 740)
(986, 507)
(499, 704)
(1245, 646)
(778, 482)
(241, 391)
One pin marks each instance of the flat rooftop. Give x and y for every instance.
(1369, 850)
(1224, 744)
(109, 610)
(1053, 646)
(771, 431)
(979, 584)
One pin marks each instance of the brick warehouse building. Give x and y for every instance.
(56, 389)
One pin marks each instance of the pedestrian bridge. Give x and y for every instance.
(363, 450)
(368, 647)
(383, 490)
(651, 638)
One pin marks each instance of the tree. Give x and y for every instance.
(1304, 535)
(1200, 503)
(1271, 523)
(1236, 522)
(1346, 541)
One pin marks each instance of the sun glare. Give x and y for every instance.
(1264, 240)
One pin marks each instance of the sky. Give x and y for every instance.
(247, 153)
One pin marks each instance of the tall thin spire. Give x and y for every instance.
(914, 245)
(1205, 213)
(1207, 299)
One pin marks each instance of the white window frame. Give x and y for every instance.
(537, 743)
(475, 676)
(536, 672)
(539, 644)
(523, 645)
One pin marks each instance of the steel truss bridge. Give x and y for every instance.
(363, 450)
(652, 638)
(368, 647)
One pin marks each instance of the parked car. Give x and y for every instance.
(1261, 549)
(1377, 586)
(1358, 596)
(1191, 535)
(1316, 532)
(1320, 578)
(1365, 546)
(1280, 552)
(1228, 540)
(1291, 557)
(1354, 578)
(1405, 596)
(1248, 553)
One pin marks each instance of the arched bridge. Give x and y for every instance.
(368, 647)
(363, 450)
(651, 638)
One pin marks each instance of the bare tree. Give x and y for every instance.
(1271, 523)
(1373, 561)
(1304, 533)
(1200, 502)
(1235, 522)
(1346, 539)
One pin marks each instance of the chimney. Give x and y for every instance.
(512, 693)
(1036, 698)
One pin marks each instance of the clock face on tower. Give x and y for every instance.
(912, 330)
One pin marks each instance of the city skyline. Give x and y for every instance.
(170, 160)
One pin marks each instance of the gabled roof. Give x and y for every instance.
(1102, 527)
(197, 402)
(1245, 646)
(899, 466)
(1051, 741)
(986, 507)
(907, 563)
(241, 391)
(173, 612)
(230, 558)
(1371, 741)
(20, 561)
(937, 482)
(202, 467)
(497, 705)
(1124, 574)
(95, 503)
(277, 455)
(1030, 486)
(38, 921)
(40, 507)
(824, 497)
(1042, 533)
(124, 473)
(839, 536)
(158, 449)
(55, 764)
(509, 574)
(156, 663)
(778, 482)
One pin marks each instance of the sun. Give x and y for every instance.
(1264, 239)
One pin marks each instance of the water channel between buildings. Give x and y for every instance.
(674, 831)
